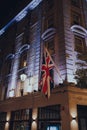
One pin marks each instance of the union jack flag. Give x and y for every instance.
(46, 82)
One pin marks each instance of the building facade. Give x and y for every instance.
(60, 27)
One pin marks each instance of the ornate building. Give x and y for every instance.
(60, 27)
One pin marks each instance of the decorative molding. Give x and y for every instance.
(21, 14)
(48, 34)
(79, 30)
(23, 48)
(9, 56)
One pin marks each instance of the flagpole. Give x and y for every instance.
(53, 63)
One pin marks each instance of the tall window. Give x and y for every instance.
(20, 120)
(6, 68)
(50, 46)
(82, 117)
(23, 60)
(76, 18)
(2, 120)
(23, 56)
(49, 117)
(50, 21)
(79, 44)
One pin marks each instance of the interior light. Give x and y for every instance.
(23, 76)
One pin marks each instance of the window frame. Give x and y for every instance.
(76, 18)
(79, 48)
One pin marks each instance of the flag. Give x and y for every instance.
(46, 82)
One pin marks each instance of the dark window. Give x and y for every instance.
(82, 117)
(50, 46)
(20, 120)
(76, 18)
(50, 21)
(6, 67)
(50, 4)
(79, 44)
(9, 62)
(75, 3)
(48, 117)
(2, 120)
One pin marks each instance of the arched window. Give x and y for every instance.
(79, 36)
(79, 44)
(7, 63)
(23, 56)
(5, 73)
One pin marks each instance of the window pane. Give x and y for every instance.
(52, 128)
(79, 44)
(76, 18)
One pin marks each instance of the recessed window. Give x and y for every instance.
(49, 117)
(2, 120)
(50, 47)
(23, 60)
(79, 44)
(50, 21)
(76, 18)
(20, 119)
(50, 4)
(75, 3)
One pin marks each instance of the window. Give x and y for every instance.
(20, 119)
(82, 117)
(50, 21)
(54, 126)
(23, 61)
(49, 117)
(75, 3)
(50, 47)
(76, 18)
(7, 65)
(50, 4)
(79, 44)
(2, 120)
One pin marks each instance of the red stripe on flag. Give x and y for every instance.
(46, 78)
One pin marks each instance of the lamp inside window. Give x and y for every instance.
(23, 76)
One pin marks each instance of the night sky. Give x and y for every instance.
(9, 9)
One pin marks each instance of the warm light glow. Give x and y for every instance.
(34, 125)
(34, 116)
(6, 126)
(73, 112)
(74, 125)
(8, 117)
(24, 63)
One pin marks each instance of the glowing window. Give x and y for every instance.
(52, 128)
(23, 60)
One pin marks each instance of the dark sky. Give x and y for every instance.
(9, 9)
